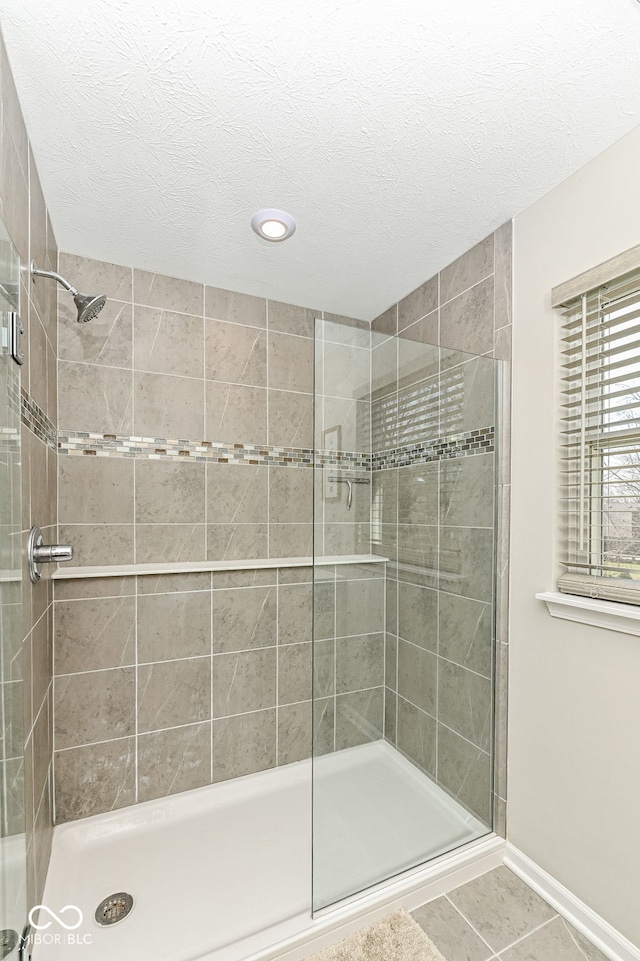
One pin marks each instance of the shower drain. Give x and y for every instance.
(114, 908)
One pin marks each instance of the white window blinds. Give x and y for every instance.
(601, 441)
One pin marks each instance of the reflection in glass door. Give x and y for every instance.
(13, 898)
(404, 568)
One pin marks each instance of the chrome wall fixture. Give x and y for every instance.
(349, 481)
(40, 553)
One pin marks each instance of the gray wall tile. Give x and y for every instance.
(235, 414)
(173, 761)
(229, 542)
(465, 703)
(467, 491)
(466, 322)
(416, 735)
(359, 663)
(418, 304)
(294, 732)
(96, 706)
(169, 293)
(290, 362)
(417, 676)
(95, 490)
(290, 495)
(169, 492)
(295, 612)
(237, 308)
(465, 771)
(170, 542)
(168, 343)
(95, 398)
(174, 625)
(244, 681)
(97, 275)
(294, 673)
(237, 495)
(244, 744)
(467, 562)
(359, 718)
(235, 354)
(465, 632)
(289, 319)
(418, 615)
(107, 340)
(244, 619)
(290, 419)
(91, 635)
(468, 270)
(94, 778)
(168, 407)
(359, 607)
(290, 540)
(173, 693)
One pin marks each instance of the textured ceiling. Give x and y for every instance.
(397, 134)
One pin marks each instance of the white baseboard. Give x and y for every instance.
(605, 937)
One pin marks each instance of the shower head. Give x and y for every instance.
(89, 305)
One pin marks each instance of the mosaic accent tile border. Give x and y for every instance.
(80, 443)
(441, 448)
(37, 421)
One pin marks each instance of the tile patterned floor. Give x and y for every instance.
(498, 916)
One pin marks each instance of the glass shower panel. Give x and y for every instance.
(404, 561)
(13, 897)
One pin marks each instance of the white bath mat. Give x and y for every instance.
(396, 938)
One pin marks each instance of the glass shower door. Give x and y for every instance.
(404, 565)
(13, 895)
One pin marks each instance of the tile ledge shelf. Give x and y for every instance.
(190, 567)
(610, 615)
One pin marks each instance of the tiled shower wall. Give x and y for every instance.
(25, 216)
(139, 484)
(169, 682)
(186, 434)
(433, 512)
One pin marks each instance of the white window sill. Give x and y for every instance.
(610, 615)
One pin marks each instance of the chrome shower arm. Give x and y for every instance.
(52, 275)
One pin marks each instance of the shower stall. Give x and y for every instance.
(398, 693)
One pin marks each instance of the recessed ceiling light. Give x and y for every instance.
(273, 225)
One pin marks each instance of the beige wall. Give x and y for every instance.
(574, 724)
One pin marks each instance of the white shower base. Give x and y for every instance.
(224, 872)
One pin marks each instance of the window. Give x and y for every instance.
(601, 442)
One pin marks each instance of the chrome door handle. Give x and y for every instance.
(39, 553)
